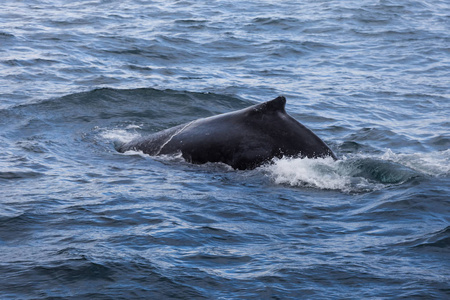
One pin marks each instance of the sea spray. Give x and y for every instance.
(322, 173)
(352, 174)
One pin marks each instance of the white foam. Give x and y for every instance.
(356, 173)
(119, 135)
(133, 126)
(323, 173)
(433, 163)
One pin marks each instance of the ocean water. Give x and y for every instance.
(78, 220)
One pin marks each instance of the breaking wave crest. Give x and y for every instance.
(358, 173)
(322, 173)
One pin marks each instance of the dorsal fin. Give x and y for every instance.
(276, 104)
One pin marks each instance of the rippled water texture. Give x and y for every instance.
(80, 220)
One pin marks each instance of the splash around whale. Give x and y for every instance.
(243, 139)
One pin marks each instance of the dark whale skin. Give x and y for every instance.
(243, 139)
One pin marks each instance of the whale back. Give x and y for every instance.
(243, 139)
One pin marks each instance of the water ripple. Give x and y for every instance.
(78, 219)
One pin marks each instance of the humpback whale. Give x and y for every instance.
(243, 139)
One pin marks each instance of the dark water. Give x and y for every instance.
(80, 221)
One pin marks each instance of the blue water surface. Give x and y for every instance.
(78, 220)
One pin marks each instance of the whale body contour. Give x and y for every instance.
(244, 139)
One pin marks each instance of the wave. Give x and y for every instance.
(8, 175)
(143, 103)
(433, 163)
(112, 116)
(439, 239)
(353, 173)
(358, 173)
(120, 136)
